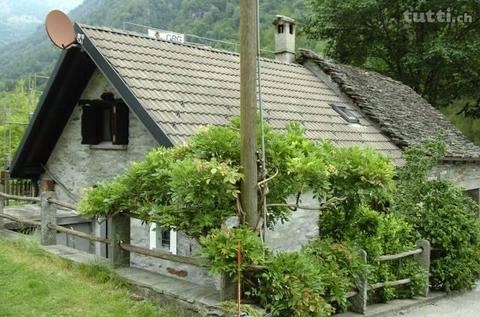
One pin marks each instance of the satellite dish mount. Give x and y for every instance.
(60, 29)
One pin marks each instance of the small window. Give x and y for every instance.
(105, 121)
(164, 239)
(106, 124)
(291, 28)
(346, 114)
(281, 28)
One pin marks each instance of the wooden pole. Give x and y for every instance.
(119, 234)
(359, 301)
(48, 216)
(248, 109)
(2, 208)
(423, 260)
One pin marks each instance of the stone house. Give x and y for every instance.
(116, 95)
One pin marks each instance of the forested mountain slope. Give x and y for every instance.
(20, 18)
(217, 19)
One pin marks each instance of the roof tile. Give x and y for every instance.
(186, 88)
(395, 108)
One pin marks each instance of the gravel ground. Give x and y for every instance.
(460, 305)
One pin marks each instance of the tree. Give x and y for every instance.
(409, 40)
(15, 109)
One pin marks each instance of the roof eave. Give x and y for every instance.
(53, 110)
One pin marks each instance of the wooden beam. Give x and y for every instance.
(162, 255)
(99, 102)
(390, 284)
(20, 220)
(399, 255)
(248, 110)
(62, 204)
(21, 198)
(76, 233)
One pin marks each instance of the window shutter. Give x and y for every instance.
(90, 124)
(120, 124)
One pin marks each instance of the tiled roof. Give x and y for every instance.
(185, 87)
(398, 110)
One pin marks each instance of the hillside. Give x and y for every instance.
(20, 18)
(217, 19)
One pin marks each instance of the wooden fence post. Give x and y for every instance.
(359, 301)
(48, 216)
(119, 233)
(4, 183)
(2, 208)
(423, 260)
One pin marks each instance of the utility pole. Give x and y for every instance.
(248, 109)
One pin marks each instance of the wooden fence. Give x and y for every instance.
(359, 297)
(17, 187)
(119, 242)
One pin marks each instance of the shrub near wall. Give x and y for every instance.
(312, 282)
(440, 212)
(195, 188)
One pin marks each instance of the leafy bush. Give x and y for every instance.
(340, 266)
(378, 234)
(203, 194)
(145, 184)
(365, 178)
(312, 282)
(194, 188)
(440, 213)
(293, 286)
(220, 249)
(362, 176)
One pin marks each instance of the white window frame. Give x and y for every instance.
(155, 236)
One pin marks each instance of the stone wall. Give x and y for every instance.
(302, 226)
(465, 174)
(140, 235)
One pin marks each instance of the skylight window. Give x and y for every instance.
(346, 114)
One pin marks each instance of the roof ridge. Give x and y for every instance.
(334, 65)
(188, 44)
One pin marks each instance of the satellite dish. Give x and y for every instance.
(60, 29)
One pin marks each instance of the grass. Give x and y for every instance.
(35, 283)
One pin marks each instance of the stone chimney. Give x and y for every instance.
(284, 39)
